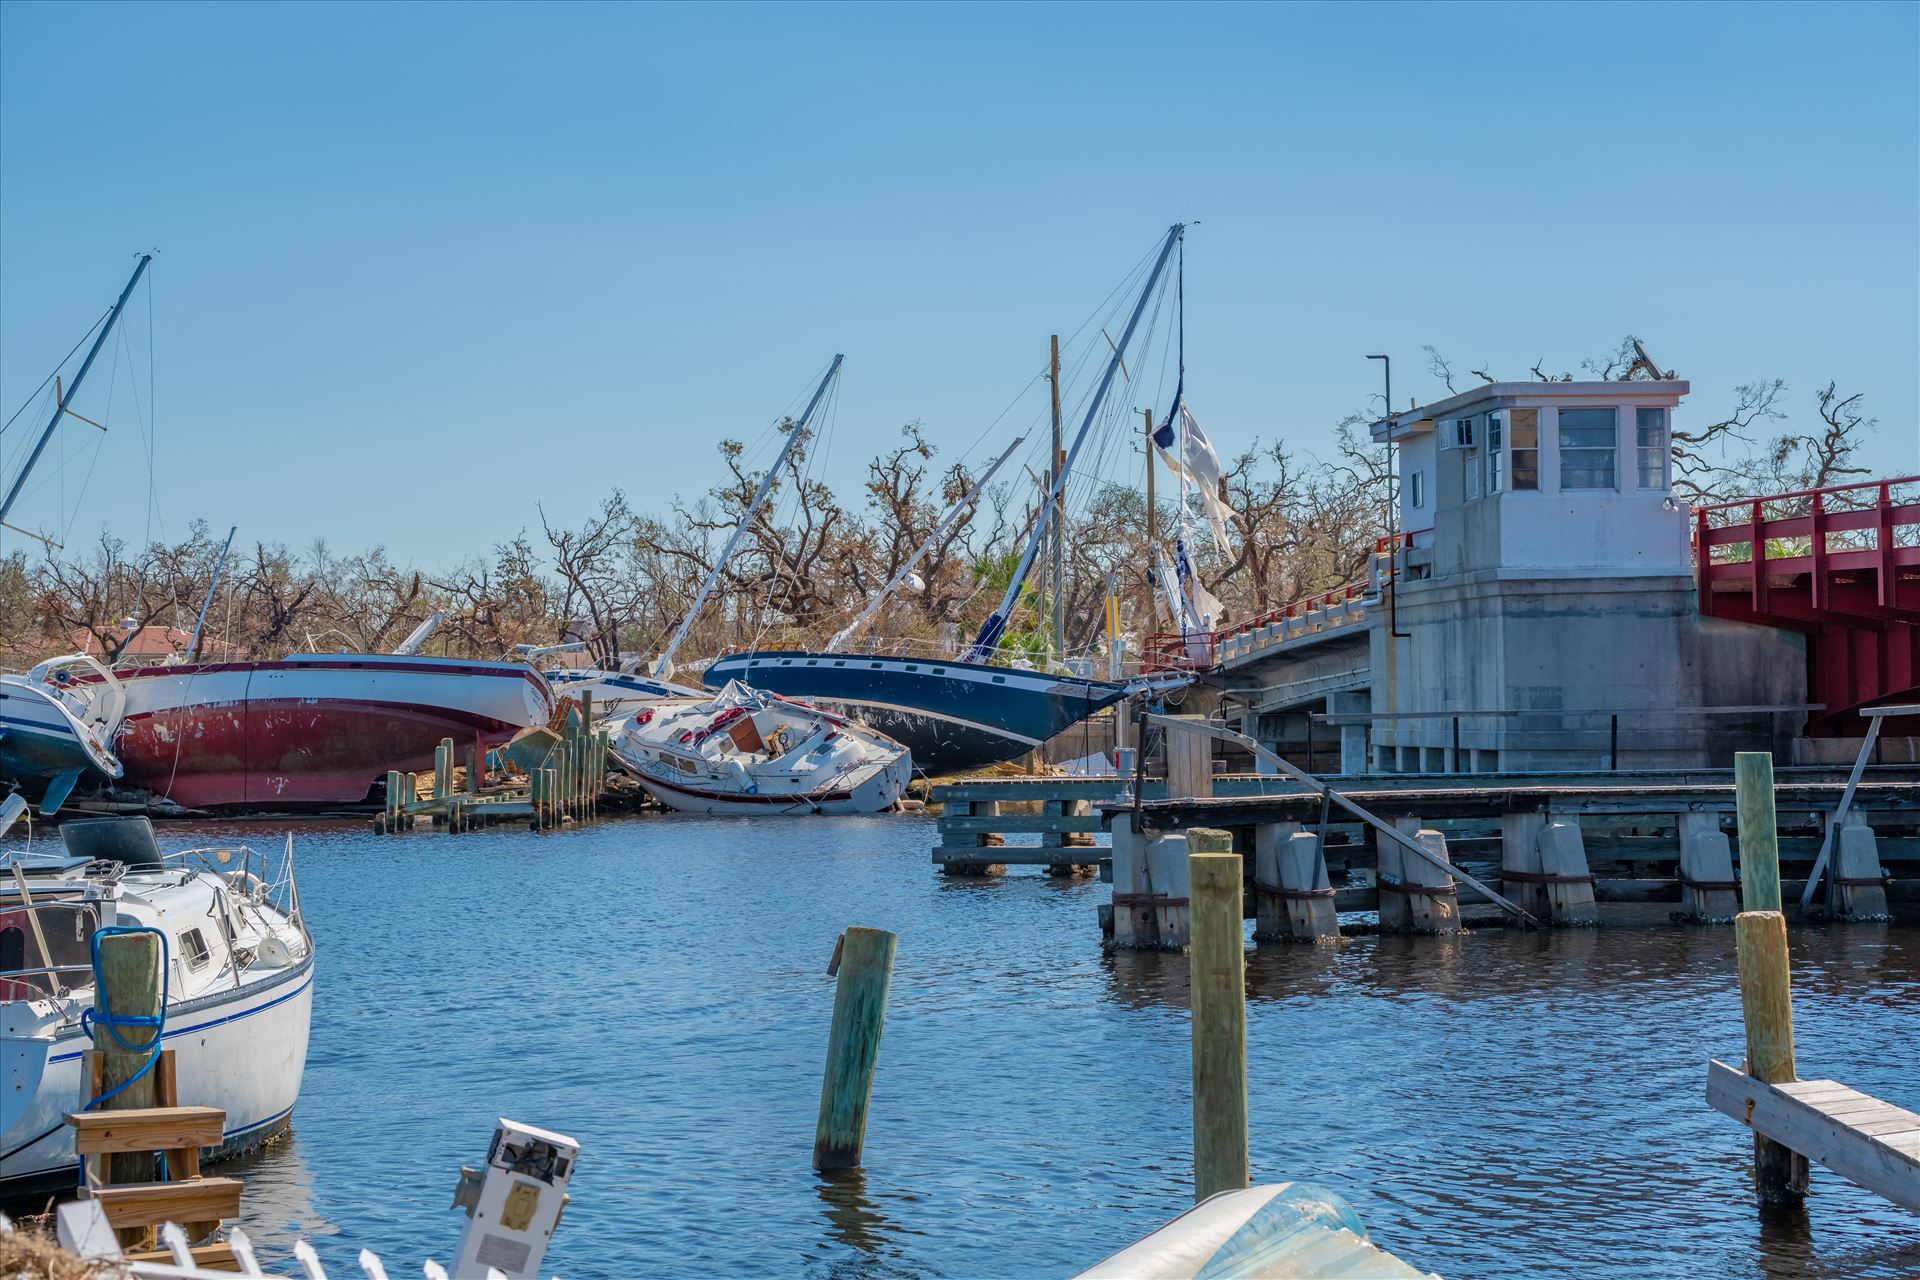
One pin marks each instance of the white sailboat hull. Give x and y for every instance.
(242, 1049)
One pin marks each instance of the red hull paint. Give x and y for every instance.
(294, 752)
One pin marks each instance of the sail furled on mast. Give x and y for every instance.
(995, 626)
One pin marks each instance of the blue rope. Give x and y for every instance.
(113, 1021)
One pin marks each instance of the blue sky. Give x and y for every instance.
(422, 268)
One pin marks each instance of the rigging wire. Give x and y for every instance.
(35, 394)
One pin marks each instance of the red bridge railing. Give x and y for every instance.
(1810, 555)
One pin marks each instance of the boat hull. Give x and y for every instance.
(40, 740)
(952, 716)
(876, 793)
(242, 1049)
(306, 732)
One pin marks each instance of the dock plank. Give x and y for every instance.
(1815, 1130)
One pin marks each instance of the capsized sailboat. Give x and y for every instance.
(962, 712)
(746, 751)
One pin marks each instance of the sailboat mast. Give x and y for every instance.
(939, 531)
(193, 645)
(1152, 532)
(983, 644)
(60, 409)
(1058, 577)
(664, 663)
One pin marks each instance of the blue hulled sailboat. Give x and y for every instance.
(962, 712)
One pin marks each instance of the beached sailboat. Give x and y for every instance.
(963, 712)
(51, 739)
(238, 979)
(746, 751)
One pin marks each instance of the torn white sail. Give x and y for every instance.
(1195, 461)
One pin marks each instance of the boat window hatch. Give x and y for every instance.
(193, 947)
(999, 679)
(939, 671)
(875, 665)
(911, 667)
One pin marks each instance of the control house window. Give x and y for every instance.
(1523, 445)
(1417, 490)
(1588, 440)
(1496, 431)
(1651, 430)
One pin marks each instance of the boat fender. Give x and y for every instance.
(737, 773)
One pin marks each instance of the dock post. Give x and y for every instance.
(1303, 874)
(1759, 836)
(394, 801)
(1432, 902)
(1856, 887)
(1133, 919)
(1390, 863)
(1219, 998)
(1563, 869)
(1270, 920)
(863, 962)
(1766, 1006)
(1707, 887)
(443, 769)
(1520, 861)
(476, 760)
(130, 984)
(1167, 870)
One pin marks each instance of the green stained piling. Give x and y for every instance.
(853, 1045)
(1759, 834)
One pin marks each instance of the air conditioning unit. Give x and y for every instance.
(1456, 433)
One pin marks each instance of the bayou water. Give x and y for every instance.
(1499, 1104)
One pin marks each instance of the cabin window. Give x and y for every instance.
(911, 667)
(1651, 439)
(939, 671)
(999, 679)
(13, 948)
(1523, 448)
(1417, 489)
(1587, 448)
(813, 662)
(874, 665)
(194, 949)
(840, 664)
(786, 662)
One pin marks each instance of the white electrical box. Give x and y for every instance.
(514, 1203)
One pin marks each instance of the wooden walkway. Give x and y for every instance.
(1859, 1137)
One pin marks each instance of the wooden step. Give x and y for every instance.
(146, 1129)
(146, 1204)
(208, 1257)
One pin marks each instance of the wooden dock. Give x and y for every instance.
(545, 779)
(1861, 1138)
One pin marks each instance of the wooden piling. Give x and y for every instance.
(865, 969)
(1766, 1006)
(443, 769)
(1759, 835)
(1219, 1001)
(130, 986)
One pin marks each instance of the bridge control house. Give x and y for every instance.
(1537, 612)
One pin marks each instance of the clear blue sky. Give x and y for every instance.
(423, 267)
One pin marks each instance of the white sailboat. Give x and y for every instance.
(745, 751)
(238, 979)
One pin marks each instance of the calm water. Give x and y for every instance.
(1494, 1105)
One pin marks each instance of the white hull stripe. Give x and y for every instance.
(992, 730)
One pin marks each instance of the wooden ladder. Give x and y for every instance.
(134, 1209)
